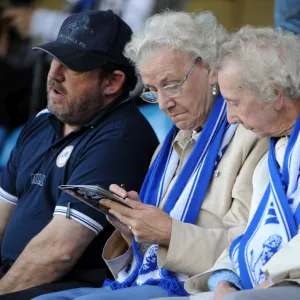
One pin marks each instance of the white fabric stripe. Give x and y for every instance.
(169, 172)
(80, 218)
(8, 197)
(44, 111)
(10, 202)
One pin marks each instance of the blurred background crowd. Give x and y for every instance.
(24, 23)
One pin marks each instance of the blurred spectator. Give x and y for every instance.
(287, 15)
(45, 23)
(15, 76)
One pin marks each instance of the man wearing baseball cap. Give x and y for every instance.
(91, 133)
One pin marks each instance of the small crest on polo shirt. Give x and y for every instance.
(63, 156)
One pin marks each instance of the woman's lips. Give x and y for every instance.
(174, 115)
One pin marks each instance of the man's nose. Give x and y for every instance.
(56, 70)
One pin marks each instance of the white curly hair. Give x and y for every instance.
(192, 34)
(268, 58)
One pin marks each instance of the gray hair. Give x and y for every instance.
(193, 35)
(269, 59)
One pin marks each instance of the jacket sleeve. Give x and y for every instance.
(116, 253)
(194, 249)
(199, 283)
(285, 264)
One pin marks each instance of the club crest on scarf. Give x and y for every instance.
(149, 263)
(276, 219)
(184, 200)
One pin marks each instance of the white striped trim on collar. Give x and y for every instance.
(5, 196)
(44, 111)
(80, 218)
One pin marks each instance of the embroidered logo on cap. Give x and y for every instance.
(81, 24)
(63, 156)
(68, 35)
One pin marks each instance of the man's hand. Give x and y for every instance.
(20, 18)
(149, 224)
(224, 288)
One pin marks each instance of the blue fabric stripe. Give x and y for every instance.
(150, 186)
(279, 191)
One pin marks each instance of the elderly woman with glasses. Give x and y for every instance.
(259, 76)
(195, 197)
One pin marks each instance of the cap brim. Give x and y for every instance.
(71, 57)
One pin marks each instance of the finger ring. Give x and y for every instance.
(129, 227)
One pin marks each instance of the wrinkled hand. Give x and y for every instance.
(224, 288)
(149, 224)
(20, 18)
(263, 285)
(124, 229)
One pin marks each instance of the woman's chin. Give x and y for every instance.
(184, 126)
(259, 134)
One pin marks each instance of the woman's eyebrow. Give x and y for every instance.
(167, 79)
(163, 81)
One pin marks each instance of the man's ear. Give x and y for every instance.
(114, 83)
(279, 101)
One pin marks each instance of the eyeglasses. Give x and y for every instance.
(170, 90)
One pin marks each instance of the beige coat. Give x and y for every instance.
(223, 215)
(285, 264)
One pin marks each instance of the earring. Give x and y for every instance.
(215, 89)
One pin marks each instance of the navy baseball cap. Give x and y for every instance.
(88, 40)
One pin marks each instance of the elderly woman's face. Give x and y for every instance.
(190, 108)
(243, 107)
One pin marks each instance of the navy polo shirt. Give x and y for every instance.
(115, 147)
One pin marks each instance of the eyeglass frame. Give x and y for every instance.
(172, 85)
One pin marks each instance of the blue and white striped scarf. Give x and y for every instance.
(184, 200)
(277, 217)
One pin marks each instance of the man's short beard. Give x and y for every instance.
(81, 111)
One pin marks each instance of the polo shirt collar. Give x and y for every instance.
(184, 137)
